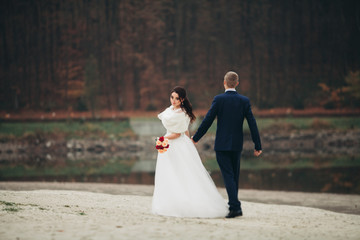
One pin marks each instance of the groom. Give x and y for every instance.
(230, 108)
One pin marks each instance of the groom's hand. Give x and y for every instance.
(257, 153)
(193, 140)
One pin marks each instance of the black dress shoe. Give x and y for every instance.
(233, 214)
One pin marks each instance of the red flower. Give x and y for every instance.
(161, 144)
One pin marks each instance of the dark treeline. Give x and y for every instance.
(128, 54)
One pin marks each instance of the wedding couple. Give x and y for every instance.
(183, 187)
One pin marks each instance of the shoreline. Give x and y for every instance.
(64, 115)
(338, 203)
(74, 214)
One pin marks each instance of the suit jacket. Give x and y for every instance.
(230, 108)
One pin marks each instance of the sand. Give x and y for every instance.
(68, 214)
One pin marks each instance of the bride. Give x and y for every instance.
(183, 187)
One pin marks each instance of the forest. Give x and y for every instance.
(129, 54)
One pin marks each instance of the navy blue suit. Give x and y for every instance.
(231, 109)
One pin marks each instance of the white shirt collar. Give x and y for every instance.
(230, 89)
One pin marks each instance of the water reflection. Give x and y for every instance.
(306, 161)
(337, 175)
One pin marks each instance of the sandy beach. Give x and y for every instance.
(96, 211)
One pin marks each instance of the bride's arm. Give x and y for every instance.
(173, 136)
(187, 133)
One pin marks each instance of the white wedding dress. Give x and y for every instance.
(183, 187)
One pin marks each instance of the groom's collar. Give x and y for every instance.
(230, 89)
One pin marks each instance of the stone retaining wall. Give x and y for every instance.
(324, 142)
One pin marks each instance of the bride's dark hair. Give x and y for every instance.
(185, 105)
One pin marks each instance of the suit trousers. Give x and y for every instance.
(229, 163)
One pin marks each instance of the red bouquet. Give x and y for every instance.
(162, 144)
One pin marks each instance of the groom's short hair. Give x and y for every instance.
(231, 79)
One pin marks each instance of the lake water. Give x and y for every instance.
(342, 179)
(289, 163)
